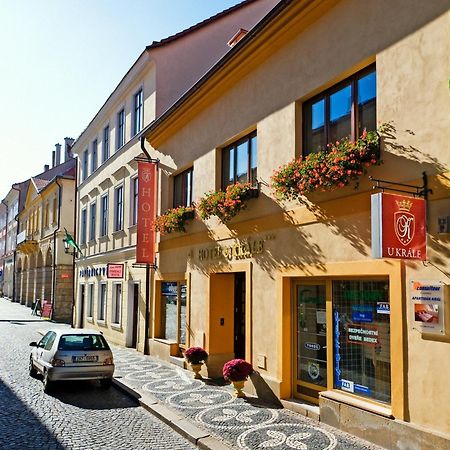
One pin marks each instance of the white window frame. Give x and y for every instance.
(99, 304)
(83, 226)
(92, 229)
(85, 165)
(134, 201)
(138, 123)
(90, 302)
(120, 142)
(114, 309)
(119, 226)
(106, 154)
(104, 215)
(94, 155)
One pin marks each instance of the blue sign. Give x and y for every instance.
(362, 389)
(358, 316)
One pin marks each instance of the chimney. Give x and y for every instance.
(53, 158)
(57, 154)
(46, 167)
(68, 142)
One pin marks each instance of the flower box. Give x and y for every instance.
(174, 220)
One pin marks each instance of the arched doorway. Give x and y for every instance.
(47, 294)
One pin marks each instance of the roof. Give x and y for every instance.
(234, 51)
(163, 42)
(39, 183)
(198, 25)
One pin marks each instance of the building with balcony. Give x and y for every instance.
(293, 282)
(107, 178)
(43, 270)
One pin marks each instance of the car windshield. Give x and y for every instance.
(82, 342)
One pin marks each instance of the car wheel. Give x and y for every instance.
(31, 369)
(47, 383)
(106, 383)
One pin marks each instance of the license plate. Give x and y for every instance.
(85, 358)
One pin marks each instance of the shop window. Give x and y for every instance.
(90, 309)
(182, 188)
(239, 161)
(343, 111)
(101, 312)
(361, 338)
(117, 303)
(173, 311)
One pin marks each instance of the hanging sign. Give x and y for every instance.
(398, 227)
(427, 299)
(146, 235)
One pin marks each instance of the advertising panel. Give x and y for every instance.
(427, 299)
(146, 235)
(398, 227)
(115, 270)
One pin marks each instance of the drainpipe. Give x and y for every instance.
(16, 218)
(54, 246)
(75, 211)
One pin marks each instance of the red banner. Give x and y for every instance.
(147, 185)
(399, 227)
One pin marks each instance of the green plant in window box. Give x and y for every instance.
(226, 204)
(337, 166)
(174, 220)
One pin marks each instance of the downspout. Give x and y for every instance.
(6, 243)
(75, 210)
(54, 247)
(16, 218)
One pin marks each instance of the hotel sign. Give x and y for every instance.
(398, 227)
(146, 235)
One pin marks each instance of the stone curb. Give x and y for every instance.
(183, 426)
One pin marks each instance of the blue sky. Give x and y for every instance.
(60, 60)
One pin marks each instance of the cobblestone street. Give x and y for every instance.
(76, 415)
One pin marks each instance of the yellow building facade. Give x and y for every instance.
(292, 285)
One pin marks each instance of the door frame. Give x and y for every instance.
(132, 314)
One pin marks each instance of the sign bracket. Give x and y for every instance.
(416, 191)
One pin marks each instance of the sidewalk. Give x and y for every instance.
(212, 418)
(12, 311)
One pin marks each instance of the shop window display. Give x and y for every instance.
(361, 338)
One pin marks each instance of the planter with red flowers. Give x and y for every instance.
(237, 371)
(174, 220)
(226, 204)
(196, 356)
(341, 163)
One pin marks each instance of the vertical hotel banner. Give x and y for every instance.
(398, 227)
(147, 184)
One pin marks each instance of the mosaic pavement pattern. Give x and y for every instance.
(244, 424)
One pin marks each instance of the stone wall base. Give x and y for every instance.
(384, 431)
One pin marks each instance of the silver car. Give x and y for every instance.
(79, 354)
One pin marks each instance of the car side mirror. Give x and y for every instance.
(33, 344)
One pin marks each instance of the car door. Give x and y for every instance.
(48, 350)
(40, 350)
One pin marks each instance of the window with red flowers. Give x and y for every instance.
(344, 110)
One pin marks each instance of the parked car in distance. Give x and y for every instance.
(75, 354)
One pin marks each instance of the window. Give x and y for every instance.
(342, 111)
(90, 308)
(104, 216)
(361, 334)
(49, 343)
(84, 167)
(182, 188)
(55, 210)
(105, 148)
(116, 303)
(101, 311)
(94, 160)
(134, 200)
(120, 128)
(93, 221)
(239, 161)
(118, 209)
(138, 112)
(83, 235)
(173, 311)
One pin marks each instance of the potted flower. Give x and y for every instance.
(336, 166)
(196, 356)
(174, 220)
(237, 371)
(226, 204)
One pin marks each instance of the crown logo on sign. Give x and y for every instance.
(404, 205)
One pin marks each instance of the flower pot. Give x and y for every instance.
(238, 386)
(196, 368)
(250, 193)
(188, 215)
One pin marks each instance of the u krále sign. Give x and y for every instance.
(398, 227)
(145, 245)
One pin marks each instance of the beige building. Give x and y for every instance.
(43, 271)
(107, 178)
(292, 286)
